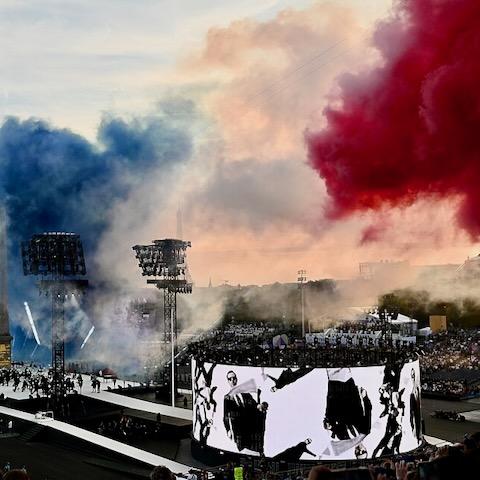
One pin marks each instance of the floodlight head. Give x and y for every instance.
(165, 258)
(55, 254)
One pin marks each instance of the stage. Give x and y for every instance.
(106, 395)
(99, 440)
(137, 404)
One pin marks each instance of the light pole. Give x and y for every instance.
(58, 258)
(302, 278)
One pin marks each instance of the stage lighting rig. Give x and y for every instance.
(165, 260)
(58, 258)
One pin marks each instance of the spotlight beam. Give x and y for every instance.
(89, 334)
(32, 323)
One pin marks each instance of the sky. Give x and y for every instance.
(117, 113)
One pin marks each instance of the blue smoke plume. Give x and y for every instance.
(55, 180)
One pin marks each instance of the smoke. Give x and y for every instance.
(408, 128)
(266, 71)
(55, 180)
(255, 194)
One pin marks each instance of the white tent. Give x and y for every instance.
(403, 319)
(425, 332)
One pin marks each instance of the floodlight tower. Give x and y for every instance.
(165, 261)
(58, 258)
(302, 278)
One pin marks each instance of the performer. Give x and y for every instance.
(259, 428)
(394, 408)
(293, 454)
(390, 443)
(204, 424)
(203, 386)
(288, 376)
(415, 412)
(243, 415)
(349, 410)
(361, 452)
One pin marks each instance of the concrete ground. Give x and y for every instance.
(446, 429)
(54, 462)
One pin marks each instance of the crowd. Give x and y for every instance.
(33, 380)
(230, 349)
(452, 415)
(455, 350)
(453, 353)
(13, 474)
(448, 361)
(447, 388)
(36, 381)
(126, 428)
(449, 364)
(461, 460)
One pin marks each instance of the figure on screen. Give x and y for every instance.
(361, 452)
(259, 428)
(349, 411)
(390, 443)
(415, 414)
(394, 409)
(206, 391)
(288, 376)
(294, 453)
(244, 415)
(205, 404)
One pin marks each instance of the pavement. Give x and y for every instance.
(447, 429)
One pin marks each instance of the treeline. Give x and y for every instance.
(279, 303)
(462, 313)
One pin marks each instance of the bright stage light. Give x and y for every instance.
(32, 323)
(89, 334)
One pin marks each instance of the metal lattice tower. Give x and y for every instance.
(165, 261)
(58, 258)
(5, 337)
(385, 326)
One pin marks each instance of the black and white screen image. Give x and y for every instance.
(304, 413)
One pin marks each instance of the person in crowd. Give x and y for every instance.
(320, 473)
(162, 473)
(16, 475)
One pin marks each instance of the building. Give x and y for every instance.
(372, 270)
(469, 269)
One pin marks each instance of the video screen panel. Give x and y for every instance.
(304, 413)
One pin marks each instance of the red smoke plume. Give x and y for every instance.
(411, 126)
